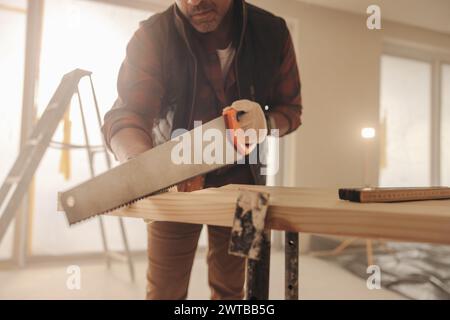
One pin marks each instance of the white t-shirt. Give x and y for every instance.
(226, 57)
(161, 132)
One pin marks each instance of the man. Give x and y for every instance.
(184, 65)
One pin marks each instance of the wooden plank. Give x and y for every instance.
(317, 211)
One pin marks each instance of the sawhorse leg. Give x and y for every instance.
(250, 240)
(291, 245)
(258, 272)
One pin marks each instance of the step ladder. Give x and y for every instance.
(21, 174)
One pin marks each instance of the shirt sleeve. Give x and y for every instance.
(140, 87)
(286, 93)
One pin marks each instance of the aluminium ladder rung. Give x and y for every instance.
(13, 180)
(31, 155)
(34, 141)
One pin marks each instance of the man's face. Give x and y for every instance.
(204, 15)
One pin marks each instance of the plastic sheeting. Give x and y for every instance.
(416, 271)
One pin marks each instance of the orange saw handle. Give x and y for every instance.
(238, 140)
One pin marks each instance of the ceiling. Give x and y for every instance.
(429, 14)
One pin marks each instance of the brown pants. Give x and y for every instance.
(171, 251)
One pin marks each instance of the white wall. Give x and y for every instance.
(339, 62)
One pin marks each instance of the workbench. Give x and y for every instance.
(296, 210)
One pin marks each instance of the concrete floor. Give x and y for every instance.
(318, 280)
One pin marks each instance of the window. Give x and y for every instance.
(93, 36)
(12, 57)
(415, 117)
(445, 124)
(406, 114)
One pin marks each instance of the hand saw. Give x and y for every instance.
(151, 172)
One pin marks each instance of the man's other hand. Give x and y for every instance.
(128, 143)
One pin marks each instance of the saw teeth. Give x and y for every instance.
(83, 220)
(122, 206)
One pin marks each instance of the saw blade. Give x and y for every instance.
(148, 174)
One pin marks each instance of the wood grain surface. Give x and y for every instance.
(317, 211)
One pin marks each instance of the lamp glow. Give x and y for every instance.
(368, 133)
